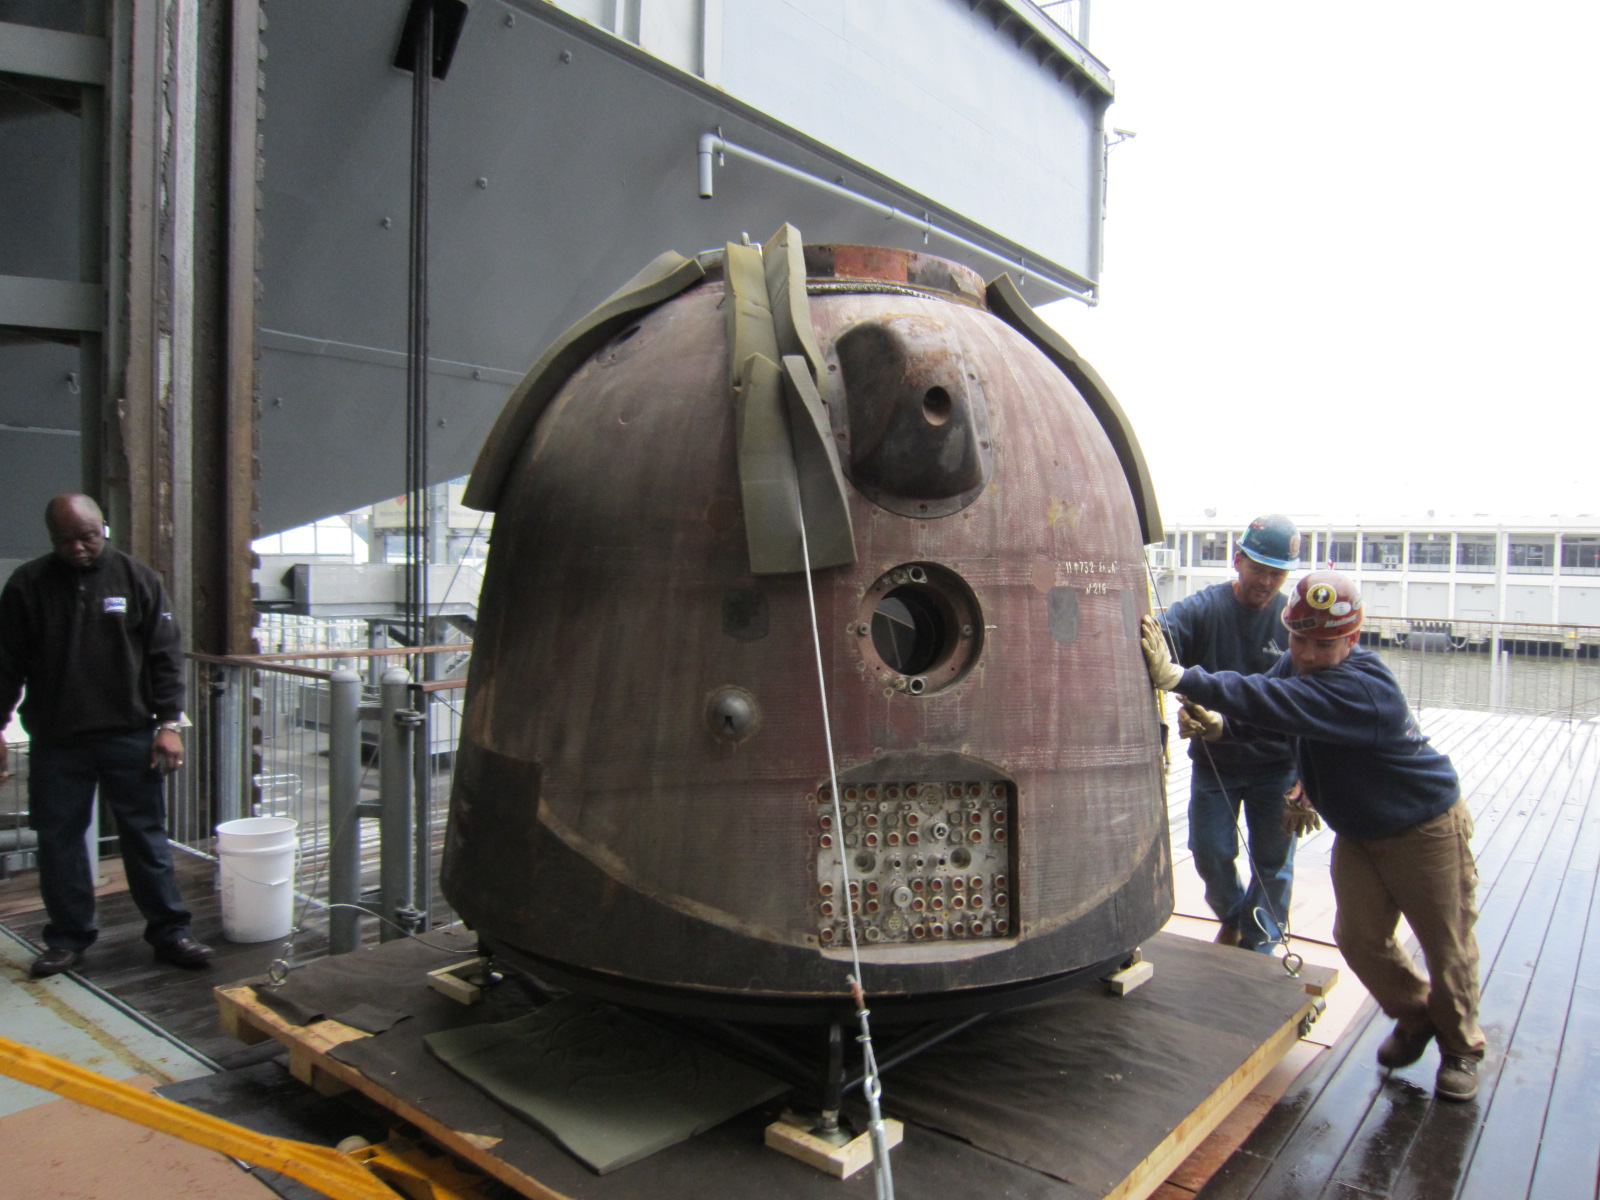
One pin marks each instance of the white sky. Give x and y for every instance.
(1352, 254)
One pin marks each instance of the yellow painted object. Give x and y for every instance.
(417, 1172)
(342, 1176)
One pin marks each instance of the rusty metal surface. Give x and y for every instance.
(915, 417)
(601, 817)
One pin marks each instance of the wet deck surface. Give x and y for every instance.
(1347, 1129)
(1343, 1129)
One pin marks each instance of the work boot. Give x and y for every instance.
(1404, 1046)
(1457, 1078)
(1228, 935)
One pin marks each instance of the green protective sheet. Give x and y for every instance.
(784, 262)
(818, 474)
(768, 486)
(789, 468)
(751, 330)
(609, 1087)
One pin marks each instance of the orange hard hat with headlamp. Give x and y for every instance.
(1324, 605)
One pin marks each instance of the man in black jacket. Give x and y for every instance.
(89, 632)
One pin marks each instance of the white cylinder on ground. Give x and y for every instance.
(256, 855)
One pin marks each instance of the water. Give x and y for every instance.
(1515, 683)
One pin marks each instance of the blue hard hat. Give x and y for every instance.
(1272, 541)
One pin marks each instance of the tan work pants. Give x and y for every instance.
(1427, 874)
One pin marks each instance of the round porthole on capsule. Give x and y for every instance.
(925, 628)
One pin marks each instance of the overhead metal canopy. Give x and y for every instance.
(563, 157)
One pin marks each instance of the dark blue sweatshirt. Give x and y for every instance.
(1364, 762)
(1211, 629)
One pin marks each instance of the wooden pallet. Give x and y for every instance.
(730, 1159)
(310, 1061)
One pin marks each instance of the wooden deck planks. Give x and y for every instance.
(1523, 867)
(1346, 1129)
(1569, 1157)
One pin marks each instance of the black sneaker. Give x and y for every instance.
(1457, 1078)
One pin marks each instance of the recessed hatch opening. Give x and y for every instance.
(922, 628)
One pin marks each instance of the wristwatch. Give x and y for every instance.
(174, 726)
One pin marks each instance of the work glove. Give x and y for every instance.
(1164, 673)
(1194, 721)
(1298, 815)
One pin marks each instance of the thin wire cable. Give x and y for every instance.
(827, 736)
(417, 507)
(1240, 828)
(871, 1085)
(450, 587)
(412, 934)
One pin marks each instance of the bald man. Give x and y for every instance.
(88, 632)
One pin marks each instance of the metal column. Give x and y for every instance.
(232, 737)
(396, 875)
(344, 816)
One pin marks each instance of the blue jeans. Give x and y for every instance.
(61, 788)
(1260, 910)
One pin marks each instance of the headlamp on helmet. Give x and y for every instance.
(1324, 605)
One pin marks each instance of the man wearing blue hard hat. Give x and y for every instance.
(1236, 626)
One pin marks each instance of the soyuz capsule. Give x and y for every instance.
(643, 804)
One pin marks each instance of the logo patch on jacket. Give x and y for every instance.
(116, 604)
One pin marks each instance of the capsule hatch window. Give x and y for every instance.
(920, 628)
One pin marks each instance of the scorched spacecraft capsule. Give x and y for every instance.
(642, 803)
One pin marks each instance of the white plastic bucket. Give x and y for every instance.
(257, 859)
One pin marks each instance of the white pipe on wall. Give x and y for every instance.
(713, 146)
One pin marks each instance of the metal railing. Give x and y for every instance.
(341, 741)
(1493, 666)
(330, 733)
(17, 841)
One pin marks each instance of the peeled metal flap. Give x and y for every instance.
(787, 471)
(788, 465)
(750, 328)
(666, 276)
(784, 258)
(768, 481)
(1006, 302)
